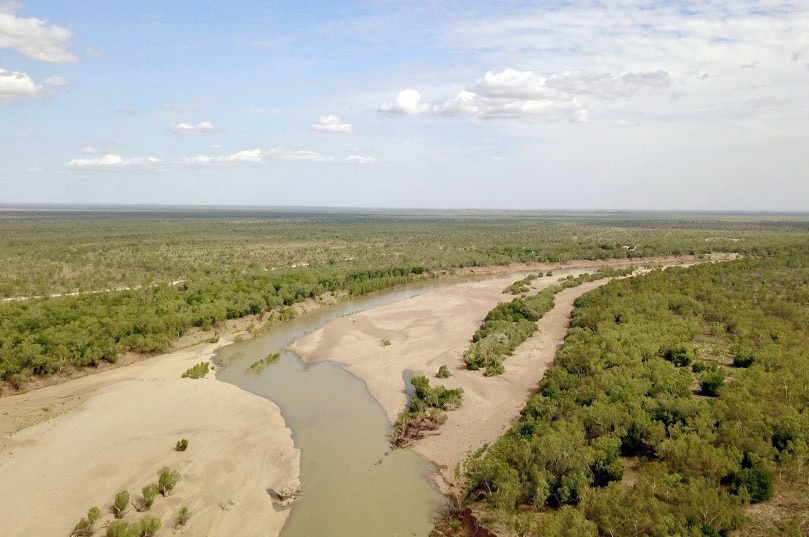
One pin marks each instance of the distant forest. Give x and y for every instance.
(84, 286)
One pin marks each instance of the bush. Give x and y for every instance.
(680, 356)
(149, 494)
(121, 503)
(198, 371)
(166, 480)
(145, 527)
(443, 372)
(86, 526)
(759, 483)
(744, 360)
(712, 382)
(182, 517)
(181, 445)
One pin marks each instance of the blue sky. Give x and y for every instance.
(699, 105)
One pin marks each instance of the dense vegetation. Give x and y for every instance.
(197, 268)
(508, 324)
(621, 438)
(425, 410)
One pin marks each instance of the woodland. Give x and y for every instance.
(82, 286)
(677, 406)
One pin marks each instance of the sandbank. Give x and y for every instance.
(424, 332)
(434, 329)
(116, 429)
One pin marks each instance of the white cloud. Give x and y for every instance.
(358, 159)
(606, 85)
(407, 102)
(250, 155)
(15, 85)
(247, 156)
(280, 153)
(203, 127)
(514, 94)
(331, 123)
(110, 160)
(56, 81)
(34, 38)
(89, 150)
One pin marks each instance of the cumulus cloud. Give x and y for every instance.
(331, 123)
(34, 38)
(15, 85)
(110, 160)
(89, 150)
(407, 102)
(203, 127)
(512, 94)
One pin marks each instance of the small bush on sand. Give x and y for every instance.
(181, 445)
(182, 517)
(121, 503)
(197, 372)
(149, 495)
(86, 526)
(166, 480)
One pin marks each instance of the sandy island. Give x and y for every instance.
(116, 429)
(435, 329)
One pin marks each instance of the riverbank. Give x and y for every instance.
(114, 431)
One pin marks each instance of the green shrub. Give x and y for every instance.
(86, 526)
(182, 517)
(680, 356)
(744, 360)
(121, 503)
(759, 482)
(167, 479)
(145, 527)
(258, 366)
(181, 445)
(149, 494)
(197, 372)
(443, 372)
(712, 382)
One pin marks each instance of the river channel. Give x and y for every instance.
(353, 484)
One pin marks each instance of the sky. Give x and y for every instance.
(613, 104)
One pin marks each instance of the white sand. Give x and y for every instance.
(120, 427)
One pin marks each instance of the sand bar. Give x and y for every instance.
(116, 429)
(434, 329)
